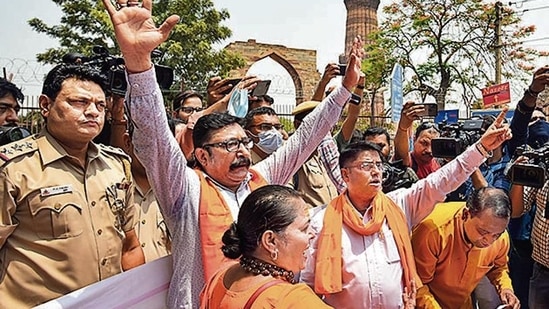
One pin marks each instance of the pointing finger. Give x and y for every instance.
(501, 117)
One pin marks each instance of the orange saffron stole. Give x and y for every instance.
(214, 218)
(328, 279)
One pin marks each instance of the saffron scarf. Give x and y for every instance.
(328, 278)
(214, 218)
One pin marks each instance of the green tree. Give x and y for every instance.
(189, 50)
(447, 46)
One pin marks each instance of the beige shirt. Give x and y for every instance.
(314, 183)
(151, 228)
(256, 158)
(58, 232)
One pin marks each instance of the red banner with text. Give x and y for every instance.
(496, 95)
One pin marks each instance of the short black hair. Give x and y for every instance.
(182, 96)
(207, 125)
(263, 110)
(9, 88)
(489, 198)
(56, 76)
(267, 208)
(425, 126)
(352, 151)
(375, 131)
(267, 98)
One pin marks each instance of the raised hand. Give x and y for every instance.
(540, 79)
(497, 133)
(410, 112)
(354, 64)
(136, 32)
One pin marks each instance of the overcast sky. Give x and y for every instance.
(318, 24)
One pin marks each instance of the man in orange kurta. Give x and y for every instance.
(457, 244)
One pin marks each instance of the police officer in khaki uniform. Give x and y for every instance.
(151, 228)
(312, 179)
(66, 214)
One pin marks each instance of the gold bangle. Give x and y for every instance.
(401, 129)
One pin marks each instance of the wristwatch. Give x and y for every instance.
(355, 99)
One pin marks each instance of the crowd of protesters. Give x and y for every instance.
(255, 217)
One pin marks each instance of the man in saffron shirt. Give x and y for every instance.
(457, 245)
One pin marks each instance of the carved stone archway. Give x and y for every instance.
(299, 63)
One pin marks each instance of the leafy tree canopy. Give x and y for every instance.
(448, 46)
(189, 49)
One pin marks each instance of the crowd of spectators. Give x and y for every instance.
(252, 215)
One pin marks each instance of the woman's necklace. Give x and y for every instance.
(257, 267)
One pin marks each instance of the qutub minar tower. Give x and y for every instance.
(361, 20)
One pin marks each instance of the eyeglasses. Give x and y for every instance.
(232, 145)
(6, 106)
(367, 166)
(268, 126)
(190, 109)
(538, 118)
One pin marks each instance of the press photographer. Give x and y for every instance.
(529, 166)
(395, 174)
(113, 68)
(456, 137)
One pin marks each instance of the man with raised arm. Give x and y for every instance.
(200, 204)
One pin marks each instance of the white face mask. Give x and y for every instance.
(269, 141)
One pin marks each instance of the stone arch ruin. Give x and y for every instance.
(299, 63)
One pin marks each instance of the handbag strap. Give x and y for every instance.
(260, 290)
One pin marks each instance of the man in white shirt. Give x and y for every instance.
(374, 267)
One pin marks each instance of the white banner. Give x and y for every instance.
(144, 287)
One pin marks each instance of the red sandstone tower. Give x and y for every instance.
(361, 19)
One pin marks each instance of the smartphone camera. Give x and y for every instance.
(431, 110)
(342, 69)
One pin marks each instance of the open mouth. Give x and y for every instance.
(375, 182)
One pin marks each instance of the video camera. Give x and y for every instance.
(395, 176)
(456, 137)
(532, 173)
(113, 68)
(10, 134)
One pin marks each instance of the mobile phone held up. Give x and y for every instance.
(431, 110)
(342, 69)
(261, 89)
(233, 82)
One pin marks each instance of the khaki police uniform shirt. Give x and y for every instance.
(314, 183)
(151, 229)
(58, 232)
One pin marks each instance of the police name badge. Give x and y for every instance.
(55, 190)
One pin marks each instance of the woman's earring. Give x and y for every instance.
(274, 255)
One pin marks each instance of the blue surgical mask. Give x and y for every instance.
(238, 103)
(269, 141)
